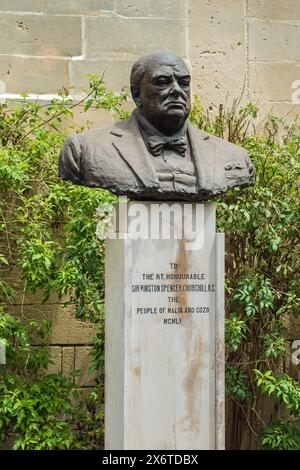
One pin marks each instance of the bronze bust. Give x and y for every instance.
(156, 154)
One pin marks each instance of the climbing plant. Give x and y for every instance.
(47, 230)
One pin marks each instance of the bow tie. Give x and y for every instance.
(157, 144)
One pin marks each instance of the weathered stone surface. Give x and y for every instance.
(78, 7)
(83, 361)
(219, 80)
(211, 29)
(171, 403)
(169, 8)
(39, 75)
(55, 354)
(273, 82)
(116, 73)
(24, 5)
(217, 49)
(156, 8)
(133, 37)
(274, 9)
(141, 8)
(68, 361)
(65, 328)
(46, 35)
(273, 41)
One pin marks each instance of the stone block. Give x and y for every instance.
(78, 7)
(274, 9)
(169, 8)
(25, 5)
(66, 329)
(68, 361)
(130, 38)
(55, 354)
(116, 73)
(83, 361)
(154, 8)
(217, 49)
(217, 82)
(43, 35)
(272, 82)
(216, 28)
(39, 75)
(273, 41)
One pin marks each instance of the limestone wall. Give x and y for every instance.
(250, 44)
(230, 45)
(70, 338)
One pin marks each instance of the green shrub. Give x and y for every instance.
(47, 229)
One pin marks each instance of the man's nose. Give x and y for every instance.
(175, 88)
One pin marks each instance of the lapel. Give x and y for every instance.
(204, 153)
(128, 141)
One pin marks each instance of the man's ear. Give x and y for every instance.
(135, 93)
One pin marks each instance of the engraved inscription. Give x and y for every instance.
(173, 295)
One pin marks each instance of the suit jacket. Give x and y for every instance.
(115, 158)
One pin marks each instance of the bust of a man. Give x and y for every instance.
(156, 154)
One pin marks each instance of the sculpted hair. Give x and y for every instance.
(138, 71)
(147, 61)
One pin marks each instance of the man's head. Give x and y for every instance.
(160, 87)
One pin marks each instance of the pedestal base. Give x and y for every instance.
(165, 336)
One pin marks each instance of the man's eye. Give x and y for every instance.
(184, 83)
(161, 81)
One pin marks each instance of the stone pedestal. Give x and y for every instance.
(164, 328)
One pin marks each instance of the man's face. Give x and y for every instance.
(165, 93)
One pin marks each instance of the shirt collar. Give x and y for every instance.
(148, 130)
